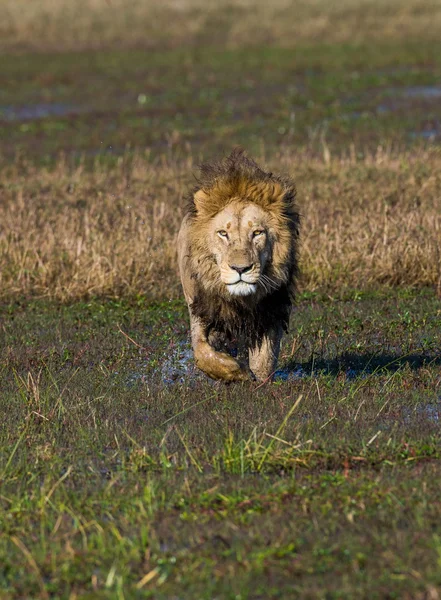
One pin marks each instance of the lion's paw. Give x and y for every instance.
(219, 365)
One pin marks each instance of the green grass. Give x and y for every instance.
(324, 485)
(210, 100)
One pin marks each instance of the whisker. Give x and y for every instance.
(265, 283)
(262, 283)
(269, 282)
(270, 285)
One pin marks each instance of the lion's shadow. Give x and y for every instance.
(358, 364)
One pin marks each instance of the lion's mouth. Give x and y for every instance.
(241, 288)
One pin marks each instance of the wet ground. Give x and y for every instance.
(107, 102)
(382, 350)
(385, 345)
(177, 368)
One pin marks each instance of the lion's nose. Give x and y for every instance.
(241, 270)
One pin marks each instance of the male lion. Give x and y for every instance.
(237, 252)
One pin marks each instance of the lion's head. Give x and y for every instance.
(244, 230)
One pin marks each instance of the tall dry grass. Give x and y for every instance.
(69, 233)
(57, 25)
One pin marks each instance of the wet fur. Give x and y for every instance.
(246, 318)
(237, 319)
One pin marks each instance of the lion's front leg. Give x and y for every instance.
(263, 357)
(216, 364)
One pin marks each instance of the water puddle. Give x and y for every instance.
(429, 92)
(383, 103)
(290, 374)
(426, 134)
(179, 365)
(426, 412)
(138, 377)
(34, 111)
(396, 97)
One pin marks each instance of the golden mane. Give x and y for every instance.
(239, 177)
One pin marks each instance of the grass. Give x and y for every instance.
(126, 473)
(203, 102)
(92, 24)
(367, 222)
(117, 484)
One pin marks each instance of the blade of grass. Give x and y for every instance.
(279, 431)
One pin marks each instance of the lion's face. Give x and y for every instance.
(241, 245)
(242, 233)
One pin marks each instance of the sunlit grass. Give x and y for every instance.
(91, 24)
(70, 233)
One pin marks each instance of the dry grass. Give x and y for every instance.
(69, 233)
(372, 222)
(57, 25)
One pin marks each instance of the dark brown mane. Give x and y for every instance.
(233, 168)
(241, 319)
(237, 175)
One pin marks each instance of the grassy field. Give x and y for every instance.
(125, 472)
(369, 222)
(97, 24)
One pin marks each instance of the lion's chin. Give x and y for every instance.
(241, 288)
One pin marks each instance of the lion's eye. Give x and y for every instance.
(222, 233)
(257, 232)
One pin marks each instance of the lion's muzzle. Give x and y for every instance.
(241, 280)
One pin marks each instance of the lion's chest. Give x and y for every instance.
(242, 320)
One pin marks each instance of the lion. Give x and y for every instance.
(238, 262)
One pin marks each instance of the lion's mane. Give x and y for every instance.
(238, 176)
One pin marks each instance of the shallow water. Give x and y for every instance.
(430, 412)
(426, 134)
(423, 91)
(178, 367)
(34, 111)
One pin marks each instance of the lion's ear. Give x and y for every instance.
(200, 200)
